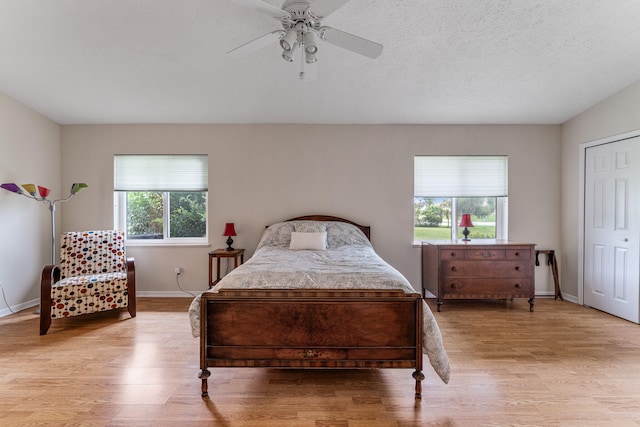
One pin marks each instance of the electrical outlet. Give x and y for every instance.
(177, 271)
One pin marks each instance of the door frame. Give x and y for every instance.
(581, 197)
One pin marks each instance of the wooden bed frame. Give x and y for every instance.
(339, 329)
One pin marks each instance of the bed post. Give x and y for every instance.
(204, 372)
(418, 375)
(203, 375)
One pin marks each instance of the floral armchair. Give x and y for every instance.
(94, 275)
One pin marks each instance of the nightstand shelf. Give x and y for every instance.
(218, 254)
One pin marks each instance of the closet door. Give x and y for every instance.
(612, 228)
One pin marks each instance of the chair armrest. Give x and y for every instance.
(50, 276)
(131, 270)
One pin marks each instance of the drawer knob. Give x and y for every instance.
(453, 254)
(453, 285)
(517, 285)
(454, 268)
(517, 253)
(518, 268)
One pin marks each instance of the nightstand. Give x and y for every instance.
(218, 254)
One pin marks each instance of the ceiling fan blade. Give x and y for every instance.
(324, 8)
(263, 7)
(256, 44)
(351, 42)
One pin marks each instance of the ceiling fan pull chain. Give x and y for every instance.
(301, 75)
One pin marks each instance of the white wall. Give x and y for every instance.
(260, 174)
(30, 153)
(264, 173)
(616, 115)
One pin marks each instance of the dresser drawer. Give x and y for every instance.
(489, 288)
(486, 254)
(448, 254)
(497, 269)
(518, 254)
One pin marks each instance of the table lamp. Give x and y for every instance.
(466, 222)
(229, 230)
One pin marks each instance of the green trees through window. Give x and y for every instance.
(438, 218)
(183, 214)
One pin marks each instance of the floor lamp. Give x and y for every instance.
(29, 191)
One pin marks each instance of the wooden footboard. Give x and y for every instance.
(311, 329)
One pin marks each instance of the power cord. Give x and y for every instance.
(5, 300)
(180, 287)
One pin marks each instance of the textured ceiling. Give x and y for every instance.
(445, 61)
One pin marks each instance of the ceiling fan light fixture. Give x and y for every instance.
(310, 46)
(310, 58)
(290, 40)
(301, 27)
(288, 55)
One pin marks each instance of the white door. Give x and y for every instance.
(612, 228)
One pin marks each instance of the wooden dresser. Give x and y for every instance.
(481, 269)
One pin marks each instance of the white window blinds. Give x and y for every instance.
(460, 176)
(161, 172)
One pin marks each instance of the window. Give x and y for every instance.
(161, 199)
(445, 187)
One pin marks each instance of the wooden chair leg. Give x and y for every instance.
(132, 310)
(45, 321)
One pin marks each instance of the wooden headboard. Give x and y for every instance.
(365, 228)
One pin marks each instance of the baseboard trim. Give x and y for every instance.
(166, 294)
(552, 294)
(143, 294)
(19, 307)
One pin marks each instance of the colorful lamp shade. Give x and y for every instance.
(40, 194)
(10, 186)
(77, 187)
(44, 191)
(30, 188)
(229, 230)
(465, 222)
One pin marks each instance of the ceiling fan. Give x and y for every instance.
(301, 27)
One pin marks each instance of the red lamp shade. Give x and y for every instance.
(44, 191)
(229, 229)
(465, 221)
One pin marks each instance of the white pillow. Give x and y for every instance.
(310, 241)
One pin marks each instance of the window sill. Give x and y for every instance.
(164, 243)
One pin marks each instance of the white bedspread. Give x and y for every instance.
(349, 262)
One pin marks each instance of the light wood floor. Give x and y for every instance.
(563, 365)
